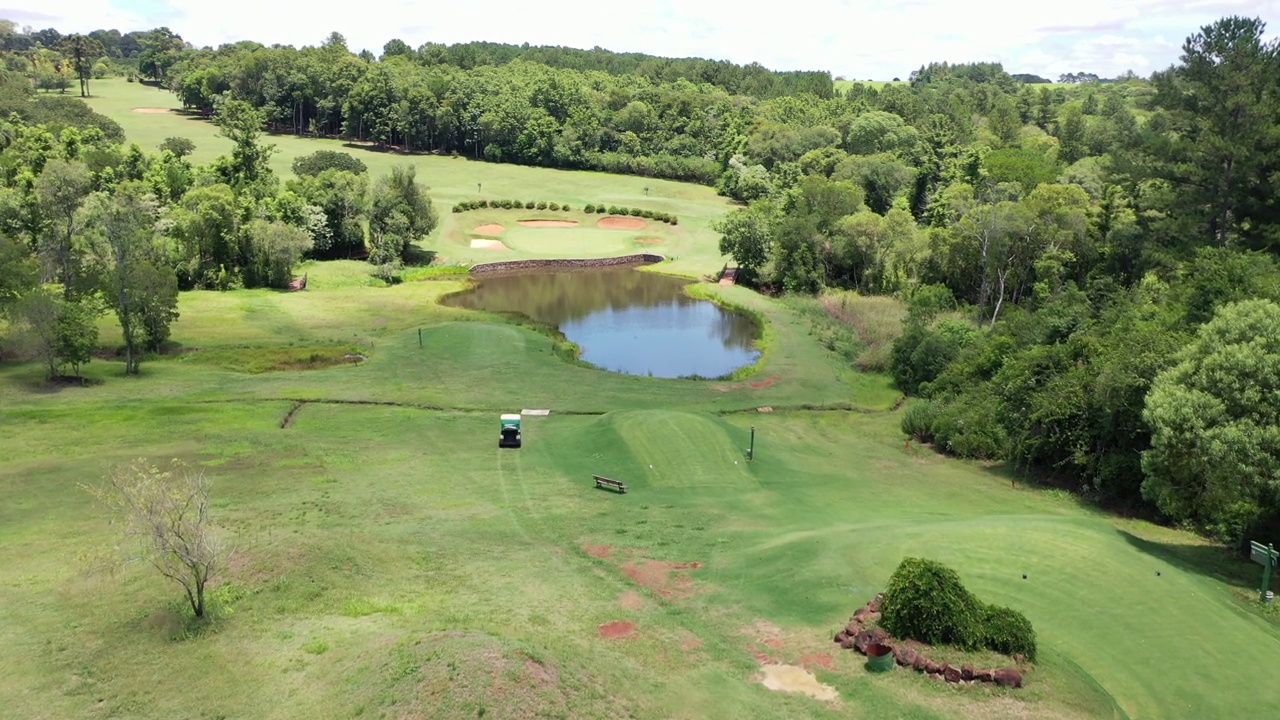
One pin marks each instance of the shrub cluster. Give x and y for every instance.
(466, 205)
(634, 212)
(926, 601)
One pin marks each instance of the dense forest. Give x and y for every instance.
(1090, 268)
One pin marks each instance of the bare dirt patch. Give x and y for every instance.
(691, 643)
(549, 223)
(490, 229)
(617, 630)
(822, 659)
(753, 385)
(657, 576)
(789, 678)
(615, 222)
(631, 600)
(488, 245)
(151, 111)
(649, 241)
(597, 551)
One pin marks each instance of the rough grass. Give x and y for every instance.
(860, 329)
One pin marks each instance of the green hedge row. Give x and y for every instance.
(635, 212)
(466, 205)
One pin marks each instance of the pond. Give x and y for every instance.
(626, 321)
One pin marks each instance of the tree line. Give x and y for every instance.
(1091, 272)
(88, 226)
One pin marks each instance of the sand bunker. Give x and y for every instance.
(549, 223)
(488, 245)
(789, 678)
(490, 229)
(151, 111)
(614, 222)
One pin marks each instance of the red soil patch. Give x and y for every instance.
(597, 551)
(614, 222)
(754, 386)
(617, 629)
(823, 659)
(490, 229)
(656, 575)
(691, 643)
(151, 111)
(764, 383)
(549, 223)
(774, 643)
(631, 600)
(649, 241)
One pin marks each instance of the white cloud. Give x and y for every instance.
(850, 37)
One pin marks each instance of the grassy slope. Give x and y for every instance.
(393, 563)
(451, 180)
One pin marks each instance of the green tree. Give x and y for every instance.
(57, 331)
(123, 229)
(179, 146)
(1215, 424)
(276, 248)
(321, 160)
(82, 51)
(61, 190)
(1221, 149)
(746, 235)
(241, 123)
(1005, 122)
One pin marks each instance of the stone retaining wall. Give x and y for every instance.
(514, 266)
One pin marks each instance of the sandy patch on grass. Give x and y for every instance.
(614, 222)
(649, 241)
(789, 678)
(549, 223)
(490, 229)
(151, 111)
(631, 600)
(488, 245)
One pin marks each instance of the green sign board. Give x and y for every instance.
(1268, 557)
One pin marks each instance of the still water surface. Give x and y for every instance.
(624, 320)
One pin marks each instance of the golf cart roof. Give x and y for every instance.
(510, 416)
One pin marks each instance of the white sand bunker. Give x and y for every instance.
(488, 245)
(151, 111)
(549, 223)
(789, 678)
(490, 229)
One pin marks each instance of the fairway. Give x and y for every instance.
(391, 562)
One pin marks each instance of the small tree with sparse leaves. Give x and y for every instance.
(165, 521)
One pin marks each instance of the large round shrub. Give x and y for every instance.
(1008, 631)
(926, 601)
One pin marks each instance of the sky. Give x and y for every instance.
(861, 40)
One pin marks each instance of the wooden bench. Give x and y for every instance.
(610, 483)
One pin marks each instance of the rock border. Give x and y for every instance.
(513, 266)
(860, 636)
